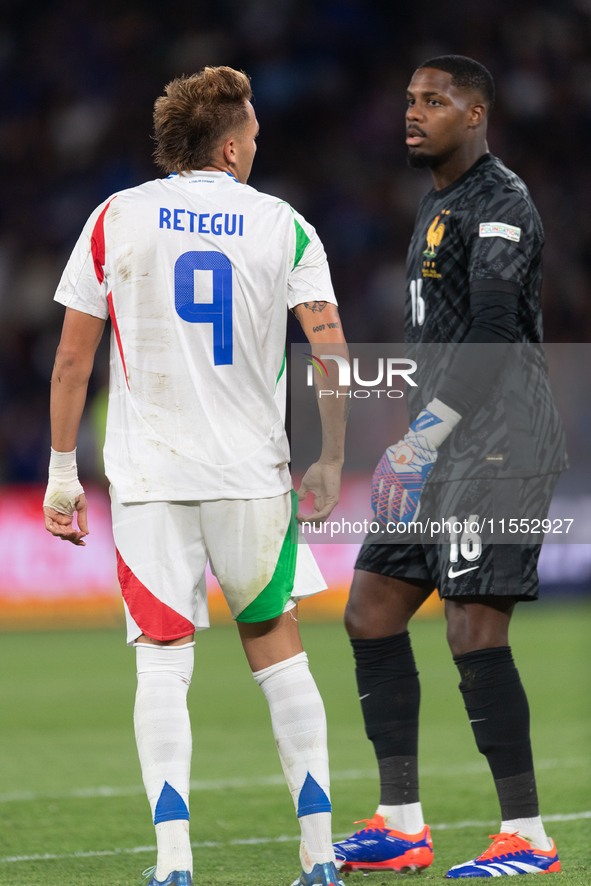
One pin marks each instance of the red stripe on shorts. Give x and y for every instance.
(97, 244)
(156, 620)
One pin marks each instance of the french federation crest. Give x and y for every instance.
(435, 233)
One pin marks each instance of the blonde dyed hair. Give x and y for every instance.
(195, 114)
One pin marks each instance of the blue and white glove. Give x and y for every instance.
(403, 469)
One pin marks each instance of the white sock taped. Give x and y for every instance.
(531, 829)
(407, 818)
(163, 736)
(174, 848)
(299, 727)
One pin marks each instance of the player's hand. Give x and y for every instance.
(62, 525)
(399, 478)
(324, 481)
(403, 469)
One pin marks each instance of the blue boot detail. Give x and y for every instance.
(322, 874)
(176, 878)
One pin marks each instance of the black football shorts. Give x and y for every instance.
(468, 564)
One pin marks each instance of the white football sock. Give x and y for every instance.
(174, 848)
(316, 845)
(407, 818)
(299, 727)
(531, 829)
(163, 736)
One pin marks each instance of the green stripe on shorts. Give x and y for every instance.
(271, 601)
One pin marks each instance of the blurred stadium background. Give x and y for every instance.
(78, 83)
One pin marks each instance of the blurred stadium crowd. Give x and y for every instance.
(78, 83)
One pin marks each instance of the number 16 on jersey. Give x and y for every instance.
(417, 302)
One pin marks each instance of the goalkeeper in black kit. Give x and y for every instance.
(485, 443)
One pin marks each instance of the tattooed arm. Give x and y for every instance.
(322, 325)
(320, 321)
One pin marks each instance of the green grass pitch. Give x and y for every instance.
(66, 730)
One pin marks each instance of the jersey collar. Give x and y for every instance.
(204, 174)
(203, 182)
(486, 158)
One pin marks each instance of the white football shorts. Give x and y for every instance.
(163, 548)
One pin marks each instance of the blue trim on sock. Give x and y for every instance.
(312, 798)
(170, 806)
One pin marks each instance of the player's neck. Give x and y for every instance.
(221, 167)
(457, 164)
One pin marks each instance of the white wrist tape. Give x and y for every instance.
(445, 413)
(63, 487)
(437, 432)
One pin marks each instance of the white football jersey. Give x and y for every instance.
(197, 272)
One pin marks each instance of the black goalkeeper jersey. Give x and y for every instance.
(483, 234)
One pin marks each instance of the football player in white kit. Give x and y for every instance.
(197, 272)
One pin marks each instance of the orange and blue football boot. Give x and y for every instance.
(378, 848)
(509, 854)
(320, 875)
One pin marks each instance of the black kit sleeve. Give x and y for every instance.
(502, 239)
(493, 328)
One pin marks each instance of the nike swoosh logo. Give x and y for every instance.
(367, 694)
(452, 574)
(482, 719)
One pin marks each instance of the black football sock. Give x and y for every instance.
(499, 715)
(389, 691)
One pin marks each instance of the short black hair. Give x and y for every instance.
(466, 73)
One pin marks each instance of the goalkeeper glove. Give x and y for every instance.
(64, 487)
(403, 469)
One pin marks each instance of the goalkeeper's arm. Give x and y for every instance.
(74, 360)
(322, 325)
(402, 471)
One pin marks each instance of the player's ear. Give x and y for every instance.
(229, 151)
(477, 114)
